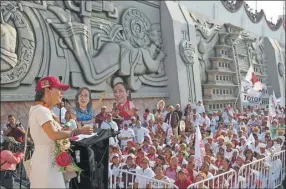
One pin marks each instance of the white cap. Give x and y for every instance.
(133, 117)
(103, 107)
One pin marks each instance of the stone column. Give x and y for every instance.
(182, 65)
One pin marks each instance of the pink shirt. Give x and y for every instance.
(11, 160)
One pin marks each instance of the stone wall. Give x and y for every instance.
(21, 109)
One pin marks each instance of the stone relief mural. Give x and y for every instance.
(106, 43)
(188, 53)
(17, 44)
(207, 37)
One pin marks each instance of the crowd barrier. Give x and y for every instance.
(223, 180)
(268, 172)
(128, 179)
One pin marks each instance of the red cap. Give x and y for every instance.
(52, 82)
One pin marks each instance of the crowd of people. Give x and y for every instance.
(161, 145)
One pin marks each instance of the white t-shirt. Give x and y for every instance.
(159, 185)
(126, 133)
(142, 181)
(109, 125)
(56, 111)
(200, 109)
(140, 133)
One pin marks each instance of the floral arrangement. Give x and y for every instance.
(63, 158)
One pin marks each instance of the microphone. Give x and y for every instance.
(66, 100)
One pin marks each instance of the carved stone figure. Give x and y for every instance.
(135, 45)
(187, 52)
(207, 37)
(8, 47)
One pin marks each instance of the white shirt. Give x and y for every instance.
(71, 123)
(200, 109)
(255, 148)
(225, 117)
(206, 120)
(56, 111)
(142, 182)
(165, 114)
(140, 133)
(3, 128)
(159, 185)
(228, 155)
(114, 170)
(110, 125)
(150, 117)
(126, 133)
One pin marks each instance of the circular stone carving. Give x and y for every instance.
(281, 69)
(136, 27)
(25, 49)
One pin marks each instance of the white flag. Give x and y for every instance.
(271, 107)
(274, 99)
(252, 78)
(249, 95)
(250, 139)
(199, 148)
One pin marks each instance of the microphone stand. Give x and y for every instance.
(60, 78)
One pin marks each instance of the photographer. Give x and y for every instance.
(14, 129)
(8, 163)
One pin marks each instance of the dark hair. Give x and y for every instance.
(9, 116)
(39, 95)
(5, 145)
(126, 88)
(89, 105)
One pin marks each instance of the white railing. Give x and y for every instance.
(129, 180)
(222, 180)
(267, 172)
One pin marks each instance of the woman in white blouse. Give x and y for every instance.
(146, 171)
(159, 176)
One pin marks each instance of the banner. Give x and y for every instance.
(249, 96)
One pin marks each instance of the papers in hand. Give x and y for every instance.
(82, 136)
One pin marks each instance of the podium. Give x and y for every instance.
(91, 155)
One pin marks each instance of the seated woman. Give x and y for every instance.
(159, 175)
(8, 162)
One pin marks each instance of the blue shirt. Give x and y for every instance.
(84, 115)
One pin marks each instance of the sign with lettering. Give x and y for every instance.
(249, 96)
